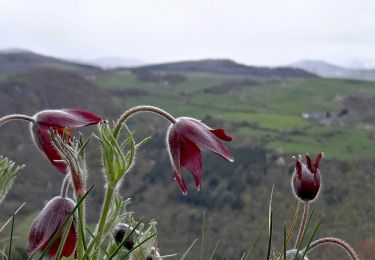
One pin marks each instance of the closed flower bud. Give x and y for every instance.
(49, 220)
(121, 231)
(306, 178)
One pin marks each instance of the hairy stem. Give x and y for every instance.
(8, 118)
(103, 217)
(81, 223)
(137, 109)
(65, 186)
(303, 223)
(336, 241)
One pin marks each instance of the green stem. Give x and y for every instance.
(137, 109)
(103, 217)
(81, 227)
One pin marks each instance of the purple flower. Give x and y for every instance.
(62, 121)
(47, 223)
(306, 178)
(185, 139)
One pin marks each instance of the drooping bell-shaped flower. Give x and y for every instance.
(185, 140)
(306, 178)
(62, 121)
(49, 220)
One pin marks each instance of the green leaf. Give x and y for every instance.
(7, 175)
(188, 250)
(11, 238)
(214, 251)
(306, 250)
(203, 235)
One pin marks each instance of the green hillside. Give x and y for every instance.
(270, 118)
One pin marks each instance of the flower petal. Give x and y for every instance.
(69, 118)
(191, 159)
(181, 182)
(41, 136)
(220, 133)
(173, 146)
(201, 135)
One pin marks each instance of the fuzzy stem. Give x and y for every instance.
(8, 118)
(103, 217)
(65, 186)
(337, 242)
(303, 223)
(141, 108)
(82, 222)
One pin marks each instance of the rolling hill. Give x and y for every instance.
(328, 70)
(271, 116)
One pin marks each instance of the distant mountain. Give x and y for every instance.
(226, 67)
(115, 62)
(329, 70)
(16, 61)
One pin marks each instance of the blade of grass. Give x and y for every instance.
(246, 256)
(101, 246)
(312, 237)
(203, 236)
(57, 233)
(285, 242)
(10, 219)
(214, 251)
(134, 248)
(270, 225)
(11, 238)
(292, 225)
(63, 239)
(188, 250)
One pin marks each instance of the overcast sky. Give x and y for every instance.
(261, 32)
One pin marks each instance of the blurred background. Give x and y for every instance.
(282, 77)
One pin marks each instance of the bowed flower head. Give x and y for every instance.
(62, 121)
(306, 178)
(185, 139)
(47, 223)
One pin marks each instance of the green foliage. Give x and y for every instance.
(116, 163)
(8, 172)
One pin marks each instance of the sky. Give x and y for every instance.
(262, 32)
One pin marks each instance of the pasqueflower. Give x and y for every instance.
(47, 223)
(62, 121)
(306, 178)
(185, 140)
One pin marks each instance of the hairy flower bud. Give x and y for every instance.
(49, 220)
(120, 232)
(306, 178)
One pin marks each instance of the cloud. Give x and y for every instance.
(256, 32)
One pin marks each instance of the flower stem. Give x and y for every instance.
(8, 118)
(65, 186)
(137, 109)
(336, 241)
(103, 217)
(81, 223)
(303, 223)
